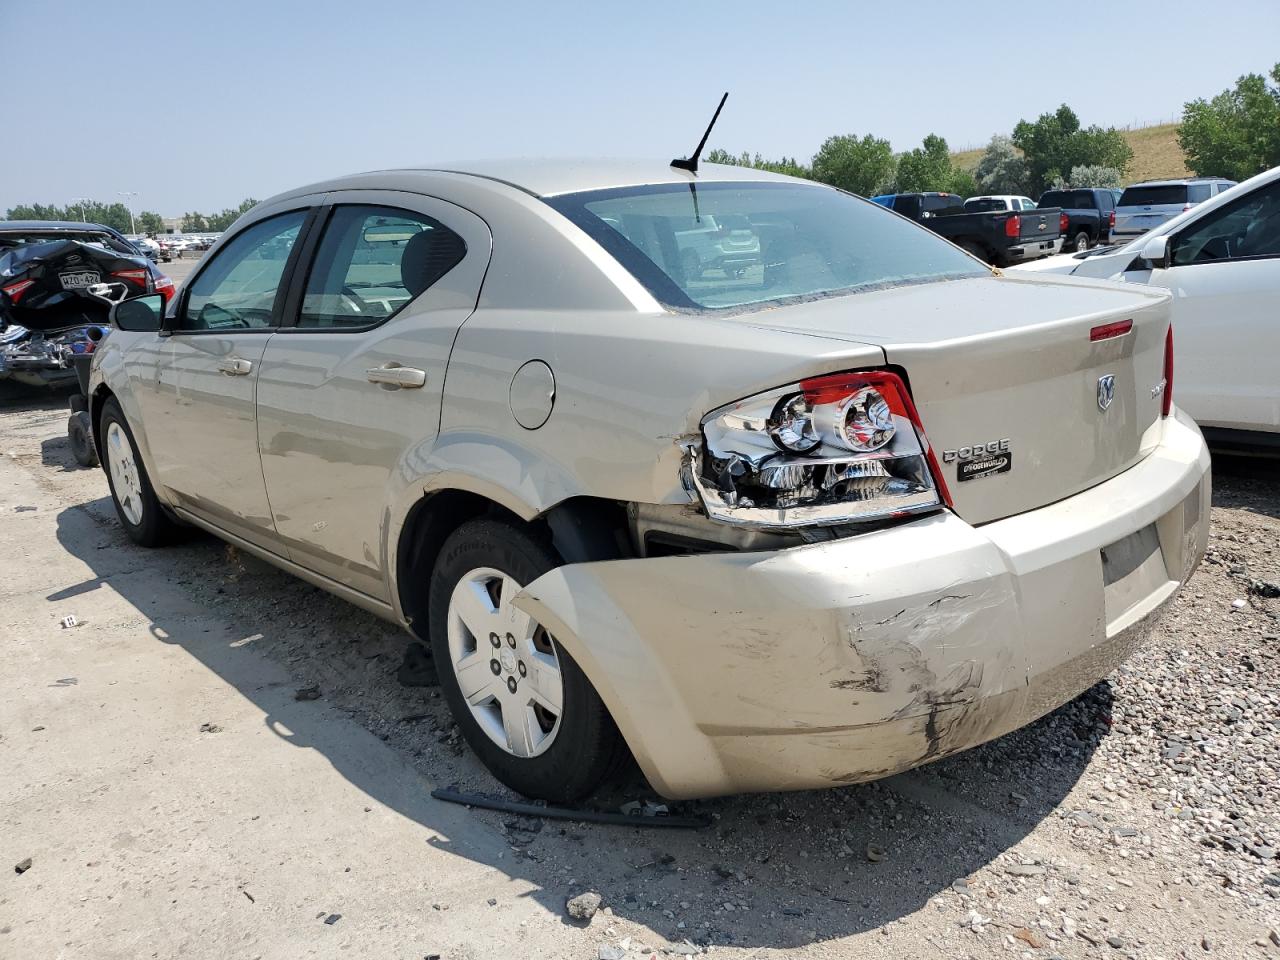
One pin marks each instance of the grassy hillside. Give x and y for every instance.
(1155, 154)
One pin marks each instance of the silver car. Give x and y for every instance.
(854, 507)
(1144, 206)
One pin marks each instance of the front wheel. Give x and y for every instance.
(524, 706)
(140, 512)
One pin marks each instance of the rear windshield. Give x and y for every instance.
(106, 240)
(1072, 199)
(1153, 196)
(730, 245)
(985, 205)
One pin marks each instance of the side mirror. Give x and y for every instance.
(1156, 252)
(139, 315)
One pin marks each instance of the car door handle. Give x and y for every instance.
(406, 378)
(235, 367)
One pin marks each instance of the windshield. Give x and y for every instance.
(732, 245)
(1153, 196)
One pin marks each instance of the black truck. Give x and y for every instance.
(1091, 213)
(999, 237)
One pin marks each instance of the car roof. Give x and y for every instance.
(1177, 182)
(548, 177)
(68, 225)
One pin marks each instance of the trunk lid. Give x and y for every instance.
(1005, 368)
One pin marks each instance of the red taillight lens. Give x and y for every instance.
(829, 450)
(165, 287)
(1013, 226)
(1111, 220)
(1166, 405)
(137, 277)
(1063, 222)
(15, 290)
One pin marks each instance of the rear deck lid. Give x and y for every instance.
(1022, 401)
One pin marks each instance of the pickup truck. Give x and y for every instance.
(999, 237)
(1091, 215)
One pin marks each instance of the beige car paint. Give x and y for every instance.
(1007, 624)
(329, 488)
(844, 661)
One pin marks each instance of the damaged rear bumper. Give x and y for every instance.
(858, 658)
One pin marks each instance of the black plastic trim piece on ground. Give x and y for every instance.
(564, 813)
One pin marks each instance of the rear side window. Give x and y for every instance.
(1154, 196)
(371, 262)
(1198, 192)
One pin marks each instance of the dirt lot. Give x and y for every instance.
(176, 799)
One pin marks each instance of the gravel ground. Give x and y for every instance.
(1141, 820)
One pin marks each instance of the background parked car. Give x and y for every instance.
(999, 202)
(1144, 206)
(1000, 237)
(1222, 258)
(1091, 214)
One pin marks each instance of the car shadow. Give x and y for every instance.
(1247, 483)
(770, 871)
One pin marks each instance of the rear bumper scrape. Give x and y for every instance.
(848, 660)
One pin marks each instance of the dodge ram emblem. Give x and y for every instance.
(1106, 391)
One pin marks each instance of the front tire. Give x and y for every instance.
(140, 512)
(525, 707)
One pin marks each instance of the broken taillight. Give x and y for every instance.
(836, 449)
(15, 290)
(138, 278)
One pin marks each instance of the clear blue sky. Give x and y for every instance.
(197, 105)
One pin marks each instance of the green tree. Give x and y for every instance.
(1056, 143)
(220, 221)
(786, 165)
(862, 166)
(1002, 168)
(1091, 176)
(926, 168)
(194, 223)
(150, 223)
(1237, 133)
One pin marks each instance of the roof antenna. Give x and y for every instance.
(692, 163)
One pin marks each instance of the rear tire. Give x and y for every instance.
(80, 433)
(140, 512)
(529, 713)
(1080, 243)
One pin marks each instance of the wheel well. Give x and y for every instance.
(96, 403)
(580, 529)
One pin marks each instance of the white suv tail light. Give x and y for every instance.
(844, 448)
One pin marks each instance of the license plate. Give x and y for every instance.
(78, 281)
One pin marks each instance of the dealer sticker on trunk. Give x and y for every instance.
(984, 466)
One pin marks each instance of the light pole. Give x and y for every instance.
(82, 201)
(128, 202)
